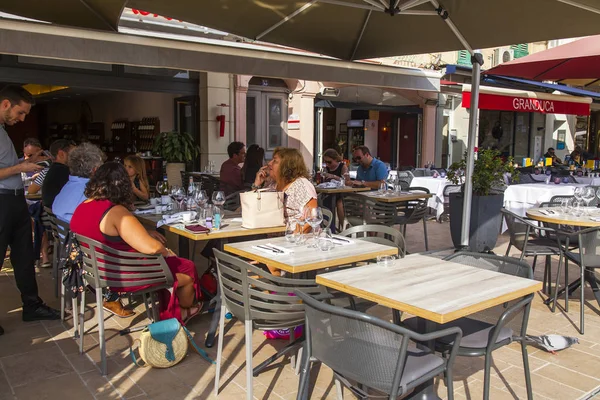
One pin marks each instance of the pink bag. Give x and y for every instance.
(284, 333)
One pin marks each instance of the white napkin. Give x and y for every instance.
(328, 185)
(142, 212)
(595, 219)
(267, 248)
(236, 220)
(174, 218)
(343, 241)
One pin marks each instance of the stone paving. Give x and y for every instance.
(40, 360)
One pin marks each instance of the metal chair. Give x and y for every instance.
(327, 218)
(370, 351)
(381, 234)
(104, 266)
(481, 338)
(404, 179)
(569, 178)
(446, 193)
(376, 212)
(524, 178)
(232, 201)
(354, 209)
(412, 212)
(527, 237)
(210, 184)
(263, 302)
(587, 259)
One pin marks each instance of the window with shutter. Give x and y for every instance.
(463, 58)
(520, 50)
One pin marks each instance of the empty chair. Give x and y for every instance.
(263, 302)
(446, 193)
(568, 178)
(381, 234)
(232, 201)
(412, 212)
(369, 351)
(405, 179)
(481, 338)
(524, 178)
(354, 209)
(327, 218)
(377, 212)
(527, 237)
(210, 184)
(104, 266)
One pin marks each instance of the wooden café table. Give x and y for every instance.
(393, 197)
(305, 259)
(430, 288)
(560, 218)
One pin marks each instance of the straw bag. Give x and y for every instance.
(262, 209)
(164, 344)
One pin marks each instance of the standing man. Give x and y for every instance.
(58, 173)
(15, 223)
(371, 172)
(231, 172)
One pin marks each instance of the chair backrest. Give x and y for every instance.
(405, 178)
(232, 201)
(525, 178)
(354, 209)
(381, 234)
(419, 172)
(327, 218)
(59, 229)
(210, 184)
(377, 212)
(518, 229)
(492, 262)
(569, 178)
(414, 210)
(450, 189)
(360, 347)
(251, 293)
(105, 266)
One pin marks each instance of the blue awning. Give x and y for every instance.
(453, 71)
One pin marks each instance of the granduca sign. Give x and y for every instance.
(500, 102)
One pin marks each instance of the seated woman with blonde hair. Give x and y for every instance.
(105, 217)
(287, 173)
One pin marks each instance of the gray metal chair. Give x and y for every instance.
(354, 209)
(327, 218)
(405, 179)
(527, 237)
(210, 184)
(370, 351)
(446, 193)
(587, 259)
(381, 234)
(377, 212)
(104, 266)
(263, 302)
(481, 338)
(524, 178)
(412, 212)
(232, 201)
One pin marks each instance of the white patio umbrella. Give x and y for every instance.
(360, 29)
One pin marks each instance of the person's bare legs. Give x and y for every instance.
(185, 290)
(45, 257)
(340, 213)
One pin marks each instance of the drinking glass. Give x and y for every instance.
(382, 188)
(301, 221)
(598, 194)
(385, 260)
(577, 193)
(314, 217)
(218, 198)
(588, 194)
(162, 188)
(565, 205)
(291, 227)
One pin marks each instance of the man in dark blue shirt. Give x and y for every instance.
(371, 172)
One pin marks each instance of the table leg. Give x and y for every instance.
(214, 322)
(573, 286)
(426, 390)
(184, 247)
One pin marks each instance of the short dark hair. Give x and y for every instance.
(550, 149)
(16, 94)
(234, 148)
(60, 144)
(31, 141)
(364, 149)
(111, 182)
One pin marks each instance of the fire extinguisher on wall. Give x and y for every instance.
(221, 119)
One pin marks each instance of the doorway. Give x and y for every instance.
(407, 140)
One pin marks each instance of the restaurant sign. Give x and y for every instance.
(489, 101)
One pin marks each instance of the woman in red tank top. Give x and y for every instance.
(105, 217)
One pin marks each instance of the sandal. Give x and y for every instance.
(191, 312)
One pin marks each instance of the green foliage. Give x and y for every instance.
(488, 172)
(175, 147)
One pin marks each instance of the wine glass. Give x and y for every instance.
(382, 188)
(577, 193)
(588, 194)
(201, 198)
(314, 217)
(218, 198)
(301, 221)
(162, 188)
(178, 194)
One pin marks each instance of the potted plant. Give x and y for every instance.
(176, 148)
(487, 200)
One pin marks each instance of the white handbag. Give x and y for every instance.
(262, 209)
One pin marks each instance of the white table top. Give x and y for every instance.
(304, 258)
(537, 193)
(427, 287)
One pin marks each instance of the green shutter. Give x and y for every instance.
(520, 50)
(463, 58)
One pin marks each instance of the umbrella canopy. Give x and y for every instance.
(360, 29)
(91, 14)
(575, 63)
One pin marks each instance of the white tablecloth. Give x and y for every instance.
(436, 188)
(519, 198)
(580, 179)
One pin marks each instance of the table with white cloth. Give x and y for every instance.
(519, 198)
(588, 180)
(436, 188)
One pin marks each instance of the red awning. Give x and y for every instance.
(526, 101)
(576, 63)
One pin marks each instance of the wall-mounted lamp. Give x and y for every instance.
(221, 119)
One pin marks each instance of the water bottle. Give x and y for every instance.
(216, 223)
(191, 189)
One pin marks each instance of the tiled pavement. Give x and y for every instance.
(41, 361)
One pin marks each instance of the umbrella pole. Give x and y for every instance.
(477, 61)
